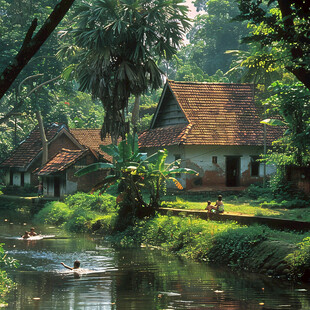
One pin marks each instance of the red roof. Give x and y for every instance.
(91, 138)
(28, 149)
(218, 114)
(61, 161)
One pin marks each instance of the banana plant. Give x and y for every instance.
(138, 174)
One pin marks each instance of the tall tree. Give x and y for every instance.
(213, 33)
(32, 43)
(285, 25)
(119, 46)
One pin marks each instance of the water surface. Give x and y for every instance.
(141, 278)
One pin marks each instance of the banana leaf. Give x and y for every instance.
(94, 167)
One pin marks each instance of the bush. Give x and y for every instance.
(94, 202)
(258, 192)
(27, 190)
(299, 260)
(55, 213)
(233, 246)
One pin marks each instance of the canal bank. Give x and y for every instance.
(256, 247)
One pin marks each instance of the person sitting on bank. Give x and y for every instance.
(26, 235)
(76, 265)
(219, 205)
(32, 233)
(210, 207)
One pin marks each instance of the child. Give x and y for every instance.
(219, 204)
(209, 207)
(40, 190)
(76, 265)
(26, 235)
(32, 232)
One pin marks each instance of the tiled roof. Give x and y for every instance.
(218, 114)
(23, 155)
(91, 138)
(61, 161)
(163, 136)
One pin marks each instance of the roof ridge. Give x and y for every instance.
(207, 83)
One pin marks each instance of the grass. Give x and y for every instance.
(241, 205)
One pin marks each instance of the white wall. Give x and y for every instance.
(199, 158)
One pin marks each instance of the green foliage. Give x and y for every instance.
(281, 25)
(292, 103)
(299, 260)
(141, 180)
(258, 192)
(6, 284)
(25, 191)
(95, 202)
(55, 213)
(233, 246)
(118, 45)
(81, 213)
(212, 34)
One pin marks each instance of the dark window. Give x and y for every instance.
(214, 159)
(22, 179)
(254, 166)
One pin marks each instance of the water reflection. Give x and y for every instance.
(133, 279)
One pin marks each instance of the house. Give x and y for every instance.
(213, 128)
(68, 150)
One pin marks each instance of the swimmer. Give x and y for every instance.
(76, 265)
(26, 235)
(32, 232)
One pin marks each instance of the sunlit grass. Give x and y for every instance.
(237, 206)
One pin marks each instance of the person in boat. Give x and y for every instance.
(32, 233)
(26, 235)
(76, 265)
(219, 205)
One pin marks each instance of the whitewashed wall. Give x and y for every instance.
(199, 158)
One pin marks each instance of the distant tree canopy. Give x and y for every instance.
(283, 25)
(215, 32)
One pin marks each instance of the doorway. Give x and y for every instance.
(232, 171)
(56, 186)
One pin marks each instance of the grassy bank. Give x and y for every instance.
(255, 248)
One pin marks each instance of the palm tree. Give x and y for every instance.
(120, 44)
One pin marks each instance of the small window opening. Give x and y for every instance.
(214, 159)
(254, 166)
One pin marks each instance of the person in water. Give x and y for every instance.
(32, 232)
(76, 265)
(26, 235)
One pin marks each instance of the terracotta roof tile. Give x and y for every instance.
(219, 114)
(91, 138)
(61, 161)
(163, 136)
(28, 149)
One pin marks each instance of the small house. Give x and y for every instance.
(68, 150)
(215, 129)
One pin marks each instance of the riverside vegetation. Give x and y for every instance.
(255, 248)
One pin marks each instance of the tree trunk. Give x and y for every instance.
(135, 116)
(43, 138)
(32, 44)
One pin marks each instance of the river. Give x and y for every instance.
(141, 278)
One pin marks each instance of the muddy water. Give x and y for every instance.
(140, 278)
